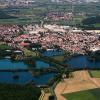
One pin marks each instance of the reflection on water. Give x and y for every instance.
(8, 77)
(8, 64)
(24, 78)
(40, 64)
(52, 53)
(43, 79)
(82, 62)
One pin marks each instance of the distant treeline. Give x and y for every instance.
(91, 23)
(5, 16)
(91, 20)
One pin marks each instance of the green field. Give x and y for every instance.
(40, 11)
(97, 25)
(59, 58)
(15, 21)
(93, 94)
(22, 16)
(35, 14)
(95, 74)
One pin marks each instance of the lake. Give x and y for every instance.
(41, 64)
(24, 78)
(7, 64)
(51, 53)
(81, 62)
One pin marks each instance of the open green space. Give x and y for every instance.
(3, 15)
(39, 12)
(29, 53)
(95, 74)
(3, 48)
(17, 92)
(21, 15)
(97, 25)
(91, 22)
(15, 21)
(93, 94)
(59, 58)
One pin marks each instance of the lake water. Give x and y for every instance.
(24, 78)
(43, 79)
(7, 77)
(52, 53)
(41, 64)
(80, 62)
(6, 64)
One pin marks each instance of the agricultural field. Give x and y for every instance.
(91, 22)
(95, 74)
(97, 25)
(36, 13)
(20, 16)
(93, 94)
(40, 10)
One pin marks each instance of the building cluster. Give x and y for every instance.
(16, 3)
(51, 37)
(7, 32)
(60, 16)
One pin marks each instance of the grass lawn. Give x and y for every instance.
(59, 58)
(18, 21)
(93, 94)
(97, 25)
(95, 73)
(30, 53)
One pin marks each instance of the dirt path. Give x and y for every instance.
(59, 90)
(46, 96)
